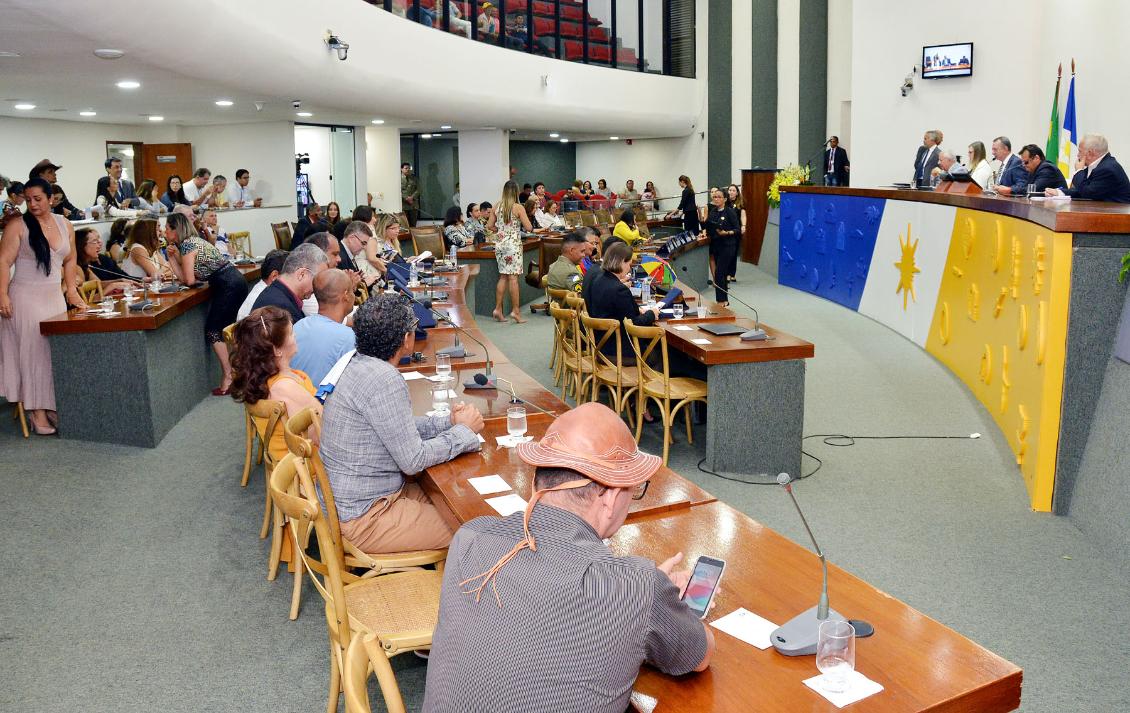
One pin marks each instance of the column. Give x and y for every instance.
(484, 164)
(382, 168)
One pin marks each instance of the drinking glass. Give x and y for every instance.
(835, 653)
(701, 311)
(440, 399)
(107, 304)
(677, 310)
(1031, 188)
(516, 421)
(443, 366)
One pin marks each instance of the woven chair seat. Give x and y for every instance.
(682, 387)
(401, 604)
(607, 374)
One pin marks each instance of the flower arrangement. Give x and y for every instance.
(791, 175)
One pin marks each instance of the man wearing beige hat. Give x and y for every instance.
(536, 613)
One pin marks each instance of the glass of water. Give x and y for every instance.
(443, 366)
(107, 304)
(835, 654)
(677, 310)
(516, 421)
(440, 396)
(701, 311)
(1031, 189)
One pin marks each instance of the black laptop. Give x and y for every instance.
(722, 329)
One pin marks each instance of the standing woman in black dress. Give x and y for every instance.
(723, 225)
(688, 206)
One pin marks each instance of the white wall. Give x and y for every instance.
(266, 150)
(484, 163)
(788, 81)
(839, 69)
(658, 160)
(741, 82)
(382, 167)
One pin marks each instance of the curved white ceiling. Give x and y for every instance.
(188, 54)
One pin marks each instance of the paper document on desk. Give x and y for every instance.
(412, 375)
(507, 504)
(747, 626)
(511, 441)
(700, 341)
(858, 687)
(488, 484)
(684, 328)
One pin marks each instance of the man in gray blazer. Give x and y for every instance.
(927, 158)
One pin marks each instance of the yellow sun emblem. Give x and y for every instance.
(906, 267)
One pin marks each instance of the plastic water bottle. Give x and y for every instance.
(454, 260)
(413, 274)
(645, 291)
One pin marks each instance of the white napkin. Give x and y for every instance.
(700, 341)
(684, 328)
(438, 377)
(412, 375)
(747, 626)
(507, 504)
(510, 441)
(857, 688)
(488, 484)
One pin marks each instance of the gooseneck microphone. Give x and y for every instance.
(473, 384)
(482, 380)
(757, 334)
(798, 636)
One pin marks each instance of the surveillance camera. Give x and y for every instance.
(334, 43)
(297, 103)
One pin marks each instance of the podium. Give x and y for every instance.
(959, 187)
(755, 184)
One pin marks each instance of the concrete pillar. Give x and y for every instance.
(484, 164)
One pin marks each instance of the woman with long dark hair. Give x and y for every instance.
(735, 201)
(264, 346)
(510, 220)
(143, 258)
(174, 193)
(626, 228)
(687, 205)
(200, 260)
(333, 214)
(41, 246)
(93, 264)
(455, 231)
(722, 225)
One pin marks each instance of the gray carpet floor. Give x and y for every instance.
(134, 579)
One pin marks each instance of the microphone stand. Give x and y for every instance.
(516, 399)
(490, 378)
(456, 350)
(757, 334)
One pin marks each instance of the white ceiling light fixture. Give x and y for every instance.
(224, 102)
(564, 141)
(613, 138)
(129, 84)
(303, 114)
(446, 126)
(156, 118)
(425, 136)
(88, 112)
(25, 106)
(378, 122)
(108, 54)
(7, 53)
(554, 136)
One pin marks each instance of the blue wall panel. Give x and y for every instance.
(826, 242)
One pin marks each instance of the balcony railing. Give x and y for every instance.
(654, 36)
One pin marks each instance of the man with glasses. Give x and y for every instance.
(536, 612)
(295, 282)
(1040, 173)
(370, 438)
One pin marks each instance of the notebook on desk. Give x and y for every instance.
(721, 329)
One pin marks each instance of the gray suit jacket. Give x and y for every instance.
(922, 170)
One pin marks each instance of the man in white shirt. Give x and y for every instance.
(199, 189)
(323, 338)
(268, 273)
(240, 195)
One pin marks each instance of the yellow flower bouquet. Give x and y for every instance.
(791, 175)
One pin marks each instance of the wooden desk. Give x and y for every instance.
(438, 339)
(492, 403)
(446, 484)
(921, 664)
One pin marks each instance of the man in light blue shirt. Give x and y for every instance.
(322, 338)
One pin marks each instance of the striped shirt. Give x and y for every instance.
(370, 437)
(575, 625)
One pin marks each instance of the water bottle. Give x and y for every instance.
(413, 274)
(645, 291)
(453, 258)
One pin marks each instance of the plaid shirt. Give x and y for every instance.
(370, 438)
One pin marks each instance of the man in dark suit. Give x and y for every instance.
(311, 223)
(836, 164)
(1044, 174)
(926, 160)
(126, 197)
(1011, 167)
(363, 213)
(1102, 179)
(296, 281)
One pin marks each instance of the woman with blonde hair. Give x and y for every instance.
(979, 167)
(510, 219)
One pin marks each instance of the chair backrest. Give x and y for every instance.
(229, 336)
(270, 413)
(645, 341)
(402, 220)
(550, 251)
(239, 242)
(362, 294)
(557, 296)
(565, 321)
(295, 429)
(588, 218)
(573, 217)
(598, 332)
(603, 216)
(574, 302)
(428, 238)
(282, 234)
(363, 652)
(91, 291)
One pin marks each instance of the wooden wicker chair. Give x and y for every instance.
(239, 242)
(603, 216)
(91, 291)
(577, 369)
(267, 417)
(400, 608)
(363, 655)
(303, 449)
(660, 386)
(556, 297)
(428, 238)
(588, 218)
(282, 234)
(609, 372)
(20, 417)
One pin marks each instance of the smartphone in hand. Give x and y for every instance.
(705, 577)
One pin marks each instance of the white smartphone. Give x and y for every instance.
(705, 576)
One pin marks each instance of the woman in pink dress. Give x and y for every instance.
(41, 246)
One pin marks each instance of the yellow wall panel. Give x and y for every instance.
(1009, 353)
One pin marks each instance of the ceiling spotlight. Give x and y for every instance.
(445, 126)
(128, 84)
(303, 114)
(127, 153)
(224, 102)
(25, 107)
(613, 138)
(425, 136)
(334, 43)
(7, 53)
(554, 136)
(564, 141)
(378, 121)
(88, 113)
(156, 118)
(108, 54)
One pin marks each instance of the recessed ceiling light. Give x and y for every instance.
(303, 114)
(425, 136)
(445, 126)
(613, 138)
(108, 54)
(88, 113)
(564, 141)
(156, 118)
(128, 84)
(554, 136)
(25, 107)
(224, 102)
(9, 54)
(378, 121)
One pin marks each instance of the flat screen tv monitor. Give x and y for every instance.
(945, 61)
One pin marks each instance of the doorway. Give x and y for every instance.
(325, 166)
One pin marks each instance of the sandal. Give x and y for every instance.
(518, 318)
(498, 316)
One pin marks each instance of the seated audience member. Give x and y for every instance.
(14, 200)
(626, 228)
(979, 166)
(207, 224)
(93, 264)
(609, 297)
(363, 213)
(198, 191)
(527, 191)
(488, 22)
(550, 217)
(630, 195)
(649, 196)
(1102, 179)
(333, 215)
(268, 273)
(239, 195)
(370, 438)
(311, 223)
(174, 193)
(60, 205)
(586, 189)
(602, 188)
(119, 232)
(457, 23)
(149, 199)
(385, 245)
(296, 281)
(142, 252)
(354, 258)
(219, 197)
(329, 245)
(583, 619)
(264, 348)
(423, 15)
(531, 207)
(1043, 174)
(474, 223)
(123, 196)
(455, 230)
(517, 34)
(539, 193)
(485, 210)
(107, 204)
(322, 337)
(563, 273)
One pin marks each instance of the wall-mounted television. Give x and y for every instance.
(945, 61)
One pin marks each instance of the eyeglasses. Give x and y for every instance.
(640, 490)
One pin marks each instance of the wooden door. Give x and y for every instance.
(160, 161)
